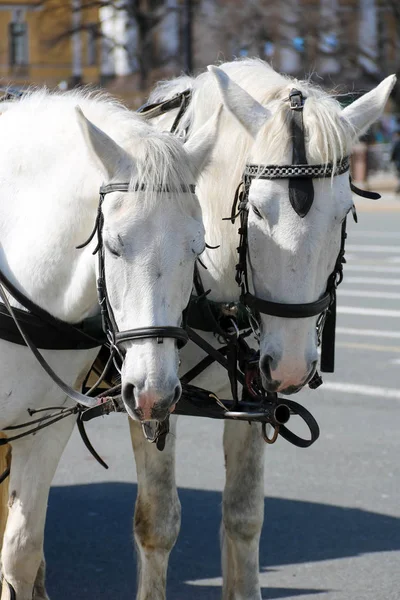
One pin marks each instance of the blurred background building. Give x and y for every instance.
(127, 45)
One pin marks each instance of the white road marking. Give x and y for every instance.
(371, 268)
(368, 332)
(373, 248)
(369, 347)
(373, 280)
(369, 294)
(363, 390)
(375, 234)
(367, 312)
(395, 361)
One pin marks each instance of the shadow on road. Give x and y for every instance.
(90, 554)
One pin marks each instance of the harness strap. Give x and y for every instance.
(215, 354)
(4, 475)
(69, 331)
(177, 333)
(151, 111)
(309, 420)
(301, 190)
(288, 311)
(66, 389)
(364, 193)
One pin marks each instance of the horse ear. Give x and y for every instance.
(201, 144)
(367, 109)
(250, 113)
(110, 155)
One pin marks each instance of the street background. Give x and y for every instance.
(332, 512)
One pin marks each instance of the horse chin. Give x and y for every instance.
(275, 386)
(157, 414)
(292, 389)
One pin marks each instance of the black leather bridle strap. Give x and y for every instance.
(364, 193)
(177, 333)
(151, 111)
(287, 311)
(329, 329)
(301, 189)
(109, 324)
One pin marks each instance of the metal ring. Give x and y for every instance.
(265, 436)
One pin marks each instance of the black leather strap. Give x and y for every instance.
(69, 333)
(177, 333)
(308, 419)
(301, 189)
(328, 339)
(288, 311)
(4, 474)
(151, 111)
(66, 389)
(364, 193)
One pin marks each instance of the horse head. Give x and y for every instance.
(294, 217)
(151, 235)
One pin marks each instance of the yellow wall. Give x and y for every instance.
(48, 62)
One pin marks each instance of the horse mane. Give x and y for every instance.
(159, 157)
(328, 136)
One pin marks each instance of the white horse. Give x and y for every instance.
(50, 176)
(289, 261)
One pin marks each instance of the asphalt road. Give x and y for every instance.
(332, 512)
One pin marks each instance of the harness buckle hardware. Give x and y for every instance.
(296, 100)
(274, 437)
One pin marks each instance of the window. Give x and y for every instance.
(18, 39)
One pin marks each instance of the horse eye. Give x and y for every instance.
(256, 212)
(111, 250)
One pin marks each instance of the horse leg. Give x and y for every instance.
(243, 510)
(157, 511)
(5, 456)
(34, 461)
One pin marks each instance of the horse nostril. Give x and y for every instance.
(177, 393)
(128, 392)
(314, 365)
(266, 366)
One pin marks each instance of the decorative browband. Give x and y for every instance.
(292, 171)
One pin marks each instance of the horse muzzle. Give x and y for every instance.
(149, 403)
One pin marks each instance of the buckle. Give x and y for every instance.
(296, 99)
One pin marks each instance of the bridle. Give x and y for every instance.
(301, 195)
(114, 336)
